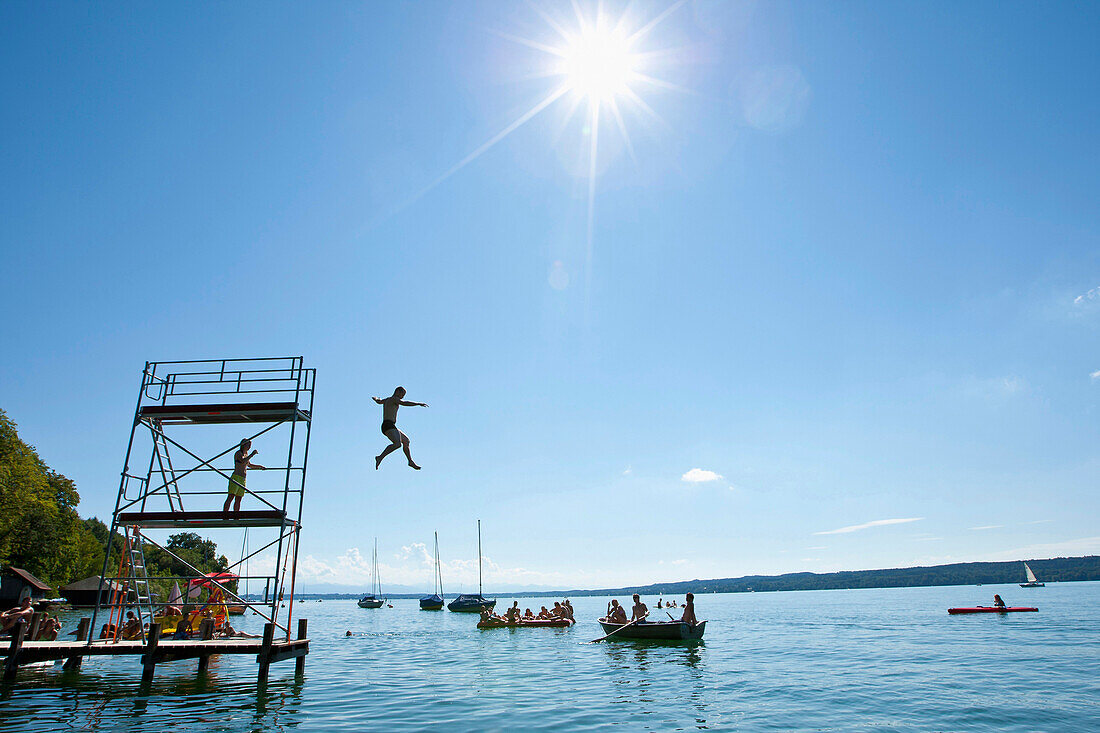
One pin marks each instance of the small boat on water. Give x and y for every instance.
(373, 599)
(1032, 581)
(434, 602)
(538, 623)
(467, 602)
(991, 609)
(666, 630)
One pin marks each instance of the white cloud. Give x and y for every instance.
(628, 471)
(928, 539)
(1093, 294)
(699, 475)
(819, 547)
(868, 525)
(1096, 374)
(986, 526)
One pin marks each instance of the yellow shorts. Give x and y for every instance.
(236, 485)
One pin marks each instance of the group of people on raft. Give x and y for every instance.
(562, 611)
(616, 614)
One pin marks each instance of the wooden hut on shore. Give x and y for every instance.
(82, 593)
(16, 584)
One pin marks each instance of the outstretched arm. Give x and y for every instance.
(403, 403)
(377, 400)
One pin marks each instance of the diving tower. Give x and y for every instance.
(189, 420)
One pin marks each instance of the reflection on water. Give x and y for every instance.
(783, 661)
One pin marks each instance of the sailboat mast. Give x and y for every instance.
(479, 592)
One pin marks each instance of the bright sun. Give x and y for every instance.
(598, 64)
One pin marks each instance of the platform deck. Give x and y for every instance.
(245, 412)
(169, 520)
(40, 651)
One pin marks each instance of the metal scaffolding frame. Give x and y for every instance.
(170, 496)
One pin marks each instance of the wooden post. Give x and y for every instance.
(206, 633)
(300, 662)
(148, 659)
(73, 662)
(36, 622)
(17, 634)
(265, 651)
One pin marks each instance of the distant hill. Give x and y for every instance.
(1057, 570)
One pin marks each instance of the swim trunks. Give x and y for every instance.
(236, 485)
(388, 425)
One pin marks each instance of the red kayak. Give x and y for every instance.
(991, 609)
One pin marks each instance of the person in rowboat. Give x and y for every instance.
(617, 615)
(689, 610)
(640, 610)
(389, 426)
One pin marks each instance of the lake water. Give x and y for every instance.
(889, 659)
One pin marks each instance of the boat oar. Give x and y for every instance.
(669, 615)
(620, 628)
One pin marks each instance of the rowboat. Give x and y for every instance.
(668, 630)
(539, 623)
(991, 609)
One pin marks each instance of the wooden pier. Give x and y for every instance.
(267, 650)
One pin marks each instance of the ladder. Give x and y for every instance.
(164, 463)
(135, 588)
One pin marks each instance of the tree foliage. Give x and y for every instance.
(41, 531)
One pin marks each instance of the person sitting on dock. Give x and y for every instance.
(241, 465)
(389, 426)
(132, 628)
(22, 612)
(689, 610)
(48, 629)
(997, 601)
(617, 615)
(640, 610)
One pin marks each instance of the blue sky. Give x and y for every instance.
(850, 272)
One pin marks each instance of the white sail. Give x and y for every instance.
(1030, 575)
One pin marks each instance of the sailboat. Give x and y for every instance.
(373, 599)
(434, 602)
(1032, 581)
(469, 603)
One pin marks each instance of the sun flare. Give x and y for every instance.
(598, 64)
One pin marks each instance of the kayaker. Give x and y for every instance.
(689, 610)
(389, 426)
(997, 601)
(640, 610)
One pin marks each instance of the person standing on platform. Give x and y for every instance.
(240, 468)
(389, 426)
